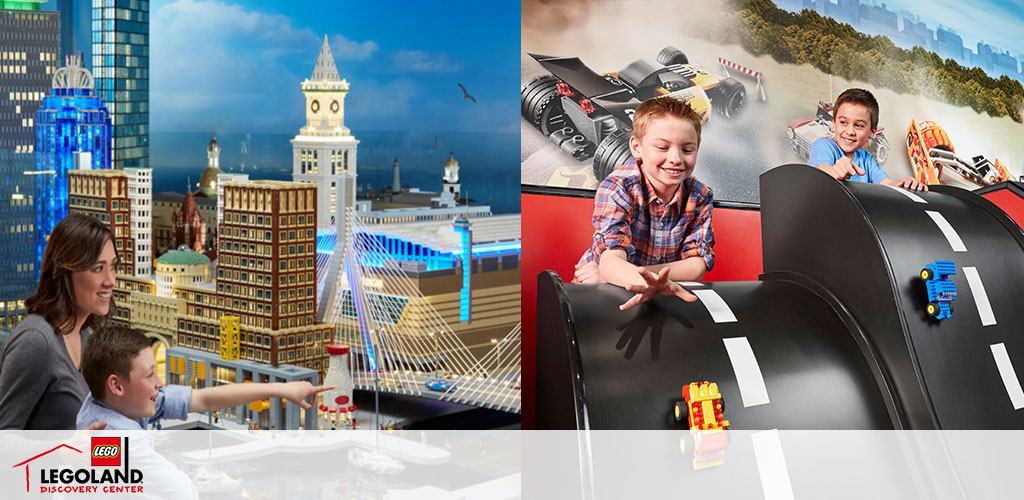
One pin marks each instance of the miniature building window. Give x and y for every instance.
(280, 342)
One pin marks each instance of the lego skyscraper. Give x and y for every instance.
(120, 64)
(29, 44)
(72, 130)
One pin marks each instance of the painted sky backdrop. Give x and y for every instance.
(993, 22)
(237, 66)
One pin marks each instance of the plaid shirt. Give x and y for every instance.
(629, 215)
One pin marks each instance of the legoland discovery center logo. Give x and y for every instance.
(105, 452)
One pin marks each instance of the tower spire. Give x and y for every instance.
(325, 69)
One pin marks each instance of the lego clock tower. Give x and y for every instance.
(324, 152)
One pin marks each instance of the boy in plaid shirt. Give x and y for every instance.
(652, 220)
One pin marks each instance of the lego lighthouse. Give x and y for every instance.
(338, 401)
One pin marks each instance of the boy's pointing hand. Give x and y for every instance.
(297, 392)
(844, 169)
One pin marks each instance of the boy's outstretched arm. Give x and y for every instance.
(644, 284)
(688, 269)
(226, 396)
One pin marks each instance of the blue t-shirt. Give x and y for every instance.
(826, 150)
(173, 402)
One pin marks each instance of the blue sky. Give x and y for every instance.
(224, 66)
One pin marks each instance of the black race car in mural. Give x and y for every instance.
(590, 115)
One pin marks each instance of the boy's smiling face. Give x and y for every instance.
(852, 125)
(141, 390)
(668, 150)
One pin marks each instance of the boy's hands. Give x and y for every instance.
(655, 285)
(843, 169)
(297, 392)
(588, 272)
(912, 184)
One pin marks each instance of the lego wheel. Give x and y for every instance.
(927, 274)
(881, 154)
(932, 309)
(612, 153)
(672, 55)
(681, 412)
(729, 97)
(542, 106)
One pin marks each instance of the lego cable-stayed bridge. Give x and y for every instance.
(401, 344)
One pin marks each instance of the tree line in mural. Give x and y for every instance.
(837, 48)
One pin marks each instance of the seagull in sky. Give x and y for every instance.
(465, 94)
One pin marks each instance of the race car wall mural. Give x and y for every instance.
(754, 69)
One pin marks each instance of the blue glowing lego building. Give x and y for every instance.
(72, 132)
(461, 226)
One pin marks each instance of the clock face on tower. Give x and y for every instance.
(335, 106)
(315, 106)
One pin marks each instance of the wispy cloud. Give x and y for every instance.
(216, 64)
(424, 62)
(345, 49)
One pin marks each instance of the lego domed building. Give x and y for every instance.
(180, 267)
(208, 182)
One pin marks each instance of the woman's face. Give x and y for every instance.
(95, 285)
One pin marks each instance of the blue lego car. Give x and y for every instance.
(941, 290)
(441, 385)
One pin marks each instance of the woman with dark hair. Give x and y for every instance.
(41, 384)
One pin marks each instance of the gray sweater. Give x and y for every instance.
(40, 388)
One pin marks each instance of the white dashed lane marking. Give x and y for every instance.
(947, 231)
(717, 307)
(1008, 375)
(771, 465)
(980, 297)
(748, 373)
(908, 194)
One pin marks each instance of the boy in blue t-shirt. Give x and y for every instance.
(126, 393)
(854, 122)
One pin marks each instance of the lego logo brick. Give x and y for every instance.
(106, 451)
